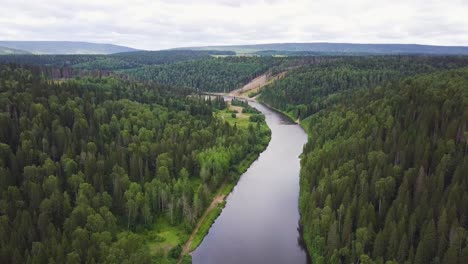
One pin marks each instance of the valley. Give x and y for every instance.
(177, 156)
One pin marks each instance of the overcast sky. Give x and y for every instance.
(160, 24)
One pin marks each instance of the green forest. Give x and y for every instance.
(115, 158)
(212, 75)
(383, 176)
(89, 167)
(208, 71)
(315, 86)
(124, 60)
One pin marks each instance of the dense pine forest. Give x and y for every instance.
(124, 60)
(89, 166)
(309, 89)
(212, 75)
(213, 71)
(384, 174)
(121, 166)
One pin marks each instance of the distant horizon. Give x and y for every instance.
(232, 45)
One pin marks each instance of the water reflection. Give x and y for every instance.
(260, 221)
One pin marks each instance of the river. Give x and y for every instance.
(260, 223)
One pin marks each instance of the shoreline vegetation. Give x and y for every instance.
(226, 189)
(284, 113)
(216, 208)
(109, 170)
(173, 240)
(395, 139)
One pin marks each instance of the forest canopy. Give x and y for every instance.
(88, 164)
(383, 176)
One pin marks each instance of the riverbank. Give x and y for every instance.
(219, 200)
(288, 115)
(259, 223)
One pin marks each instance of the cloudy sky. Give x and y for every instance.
(160, 24)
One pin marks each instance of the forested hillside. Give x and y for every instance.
(212, 71)
(118, 61)
(89, 166)
(64, 47)
(309, 89)
(383, 176)
(213, 75)
(342, 48)
(10, 51)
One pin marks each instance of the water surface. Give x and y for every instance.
(260, 221)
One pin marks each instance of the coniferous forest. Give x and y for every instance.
(384, 174)
(234, 132)
(87, 165)
(115, 158)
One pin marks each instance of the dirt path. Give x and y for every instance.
(256, 84)
(214, 203)
(253, 86)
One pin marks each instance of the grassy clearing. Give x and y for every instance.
(242, 121)
(163, 237)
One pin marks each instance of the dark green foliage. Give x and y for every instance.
(246, 108)
(188, 68)
(237, 102)
(50, 60)
(167, 56)
(175, 252)
(383, 175)
(250, 110)
(86, 162)
(125, 60)
(213, 75)
(309, 89)
(257, 118)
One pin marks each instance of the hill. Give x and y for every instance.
(117, 61)
(9, 51)
(343, 48)
(64, 47)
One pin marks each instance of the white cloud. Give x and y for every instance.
(174, 23)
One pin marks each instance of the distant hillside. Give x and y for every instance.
(64, 47)
(340, 48)
(116, 61)
(10, 51)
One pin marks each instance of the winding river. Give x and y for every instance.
(260, 223)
